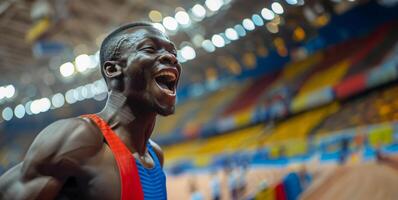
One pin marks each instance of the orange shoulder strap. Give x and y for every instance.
(130, 180)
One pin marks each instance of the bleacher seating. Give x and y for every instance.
(373, 49)
(322, 70)
(377, 107)
(249, 96)
(190, 114)
(201, 150)
(289, 136)
(214, 103)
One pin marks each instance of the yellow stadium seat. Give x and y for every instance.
(292, 70)
(327, 77)
(299, 126)
(226, 143)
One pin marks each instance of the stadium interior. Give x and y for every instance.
(278, 94)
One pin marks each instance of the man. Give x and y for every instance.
(108, 155)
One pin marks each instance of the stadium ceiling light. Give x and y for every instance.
(2, 92)
(257, 20)
(10, 91)
(27, 108)
(292, 2)
(58, 100)
(19, 111)
(7, 91)
(240, 30)
(35, 107)
(95, 90)
(226, 40)
(267, 14)
(218, 40)
(199, 11)
(7, 114)
(69, 97)
(40, 105)
(159, 26)
(67, 69)
(170, 23)
(197, 40)
(188, 52)
(182, 18)
(77, 94)
(231, 34)
(277, 8)
(248, 24)
(155, 16)
(180, 58)
(46, 104)
(214, 5)
(208, 46)
(83, 62)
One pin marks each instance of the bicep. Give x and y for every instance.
(13, 185)
(55, 154)
(33, 178)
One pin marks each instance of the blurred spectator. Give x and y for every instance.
(215, 186)
(233, 186)
(344, 150)
(195, 193)
(305, 177)
(242, 182)
(237, 181)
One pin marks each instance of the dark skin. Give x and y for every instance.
(70, 159)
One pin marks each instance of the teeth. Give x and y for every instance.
(169, 91)
(170, 76)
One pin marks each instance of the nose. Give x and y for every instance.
(168, 59)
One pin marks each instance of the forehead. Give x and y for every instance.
(147, 33)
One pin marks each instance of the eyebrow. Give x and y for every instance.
(155, 40)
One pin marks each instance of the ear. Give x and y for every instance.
(112, 69)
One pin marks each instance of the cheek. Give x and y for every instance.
(136, 80)
(138, 75)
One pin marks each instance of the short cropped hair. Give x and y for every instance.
(111, 45)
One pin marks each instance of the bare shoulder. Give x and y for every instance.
(57, 153)
(64, 144)
(158, 151)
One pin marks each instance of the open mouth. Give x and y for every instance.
(166, 80)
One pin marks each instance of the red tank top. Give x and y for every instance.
(130, 180)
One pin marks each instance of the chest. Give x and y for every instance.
(100, 177)
(103, 180)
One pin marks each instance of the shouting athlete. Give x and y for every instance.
(108, 155)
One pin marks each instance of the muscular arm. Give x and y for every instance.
(55, 155)
(14, 185)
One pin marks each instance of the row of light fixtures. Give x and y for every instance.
(85, 62)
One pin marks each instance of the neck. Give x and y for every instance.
(134, 128)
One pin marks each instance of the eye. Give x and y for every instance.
(149, 49)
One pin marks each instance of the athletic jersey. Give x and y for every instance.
(152, 182)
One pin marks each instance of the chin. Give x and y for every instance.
(165, 111)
